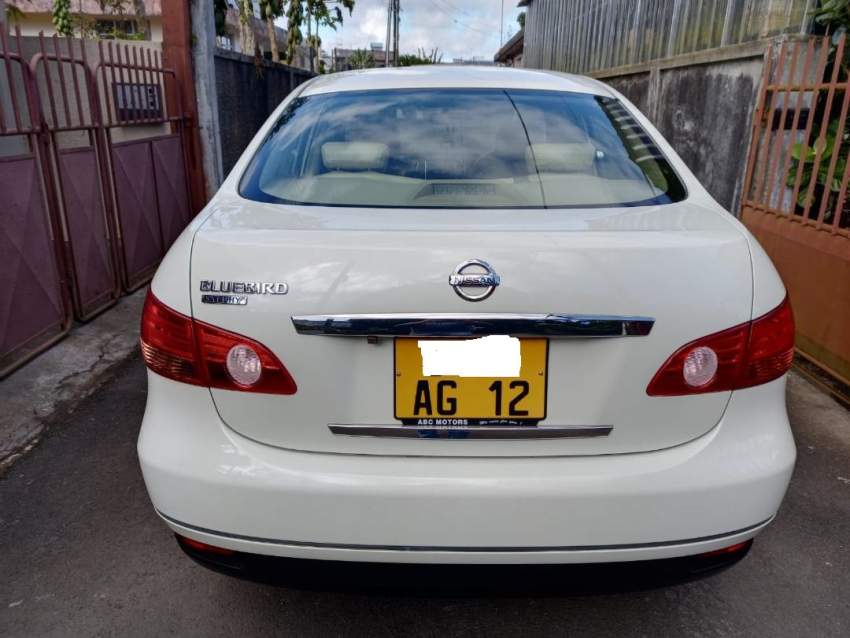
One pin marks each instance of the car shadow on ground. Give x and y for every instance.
(468, 580)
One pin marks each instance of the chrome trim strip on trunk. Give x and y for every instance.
(472, 325)
(510, 432)
(464, 549)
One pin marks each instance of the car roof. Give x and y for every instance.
(454, 76)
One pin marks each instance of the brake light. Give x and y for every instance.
(740, 357)
(190, 351)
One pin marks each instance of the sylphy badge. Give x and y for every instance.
(235, 293)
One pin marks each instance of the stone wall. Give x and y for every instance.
(704, 107)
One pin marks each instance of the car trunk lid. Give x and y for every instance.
(684, 268)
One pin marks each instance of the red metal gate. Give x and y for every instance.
(94, 182)
(149, 170)
(72, 143)
(796, 191)
(34, 310)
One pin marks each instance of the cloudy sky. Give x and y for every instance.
(459, 28)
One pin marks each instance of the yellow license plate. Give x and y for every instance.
(464, 400)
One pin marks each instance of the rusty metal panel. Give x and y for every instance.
(32, 312)
(136, 197)
(815, 266)
(85, 219)
(171, 186)
(795, 193)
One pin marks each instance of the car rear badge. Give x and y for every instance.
(235, 293)
(474, 280)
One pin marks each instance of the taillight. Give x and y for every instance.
(741, 357)
(190, 351)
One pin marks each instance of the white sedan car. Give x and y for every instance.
(464, 315)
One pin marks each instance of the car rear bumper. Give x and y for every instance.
(215, 486)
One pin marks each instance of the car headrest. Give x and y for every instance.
(354, 156)
(574, 157)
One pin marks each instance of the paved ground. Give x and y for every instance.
(70, 370)
(82, 553)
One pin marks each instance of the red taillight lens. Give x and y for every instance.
(747, 355)
(168, 343)
(771, 349)
(180, 348)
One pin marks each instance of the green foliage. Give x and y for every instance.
(806, 154)
(420, 57)
(62, 17)
(312, 13)
(813, 156)
(361, 59)
(521, 20)
(833, 14)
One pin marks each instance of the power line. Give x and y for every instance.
(456, 21)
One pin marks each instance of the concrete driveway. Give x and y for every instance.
(82, 553)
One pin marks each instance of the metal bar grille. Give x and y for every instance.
(798, 166)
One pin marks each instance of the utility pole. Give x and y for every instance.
(393, 21)
(397, 22)
(502, 27)
(390, 6)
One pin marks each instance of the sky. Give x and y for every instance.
(459, 28)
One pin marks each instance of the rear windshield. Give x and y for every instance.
(448, 148)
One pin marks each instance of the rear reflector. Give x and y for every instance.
(190, 351)
(204, 548)
(737, 548)
(746, 355)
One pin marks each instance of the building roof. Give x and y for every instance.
(89, 7)
(511, 48)
(451, 76)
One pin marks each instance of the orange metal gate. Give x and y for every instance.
(796, 191)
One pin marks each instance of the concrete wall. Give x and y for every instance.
(703, 105)
(35, 23)
(248, 91)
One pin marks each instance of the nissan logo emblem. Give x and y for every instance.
(474, 280)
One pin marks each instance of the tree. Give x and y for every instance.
(62, 17)
(246, 29)
(420, 57)
(270, 10)
(312, 12)
(220, 11)
(361, 59)
(521, 20)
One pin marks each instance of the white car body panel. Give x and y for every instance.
(219, 487)
(263, 473)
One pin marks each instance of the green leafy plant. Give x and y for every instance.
(420, 57)
(806, 154)
(812, 157)
(361, 59)
(62, 17)
(833, 13)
